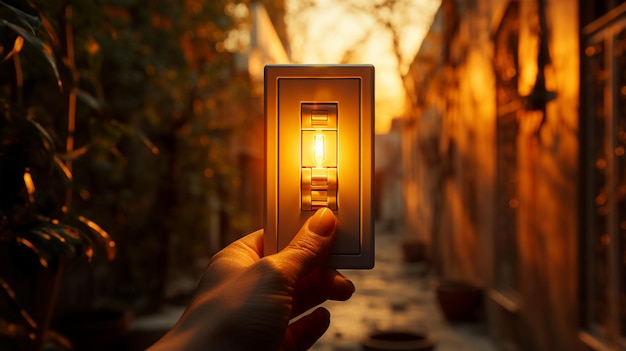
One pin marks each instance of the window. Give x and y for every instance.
(603, 148)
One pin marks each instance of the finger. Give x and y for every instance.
(303, 333)
(242, 252)
(233, 258)
(310, 246)
(319, 286)
(251, 245)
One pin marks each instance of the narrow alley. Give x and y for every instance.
(396, 295)
(138, 141)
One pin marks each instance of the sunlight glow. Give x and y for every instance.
(350, 31)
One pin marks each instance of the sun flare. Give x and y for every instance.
(349, 31)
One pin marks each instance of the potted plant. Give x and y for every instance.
(414, 250)
(459, 300)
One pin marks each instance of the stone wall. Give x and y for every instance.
(491, 161)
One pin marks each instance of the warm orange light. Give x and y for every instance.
(30, 186)
(319, 149)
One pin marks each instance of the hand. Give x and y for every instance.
(246, 302)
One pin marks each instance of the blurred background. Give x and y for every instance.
(132, 150)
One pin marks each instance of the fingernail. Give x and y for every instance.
(323, 222)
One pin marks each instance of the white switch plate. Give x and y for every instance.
(291, 93)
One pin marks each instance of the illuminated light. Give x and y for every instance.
(590, 50)
(320, 152)
(619, 151)
(601, 163)
(513, 203)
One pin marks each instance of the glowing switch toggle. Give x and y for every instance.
(316, 116)
(319, 188)
(320, 151)
(318, 158)
(319, 117)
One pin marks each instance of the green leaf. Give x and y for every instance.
(44, 256)
(147, 142)
(48, 142)
(8, 291)
(100, 235)
(50, 239)
(89, 99)
(74, 154)
(132, 131)
(44, 48)
(32, 22)
(43, 245)
(17, 47)
(63, 168)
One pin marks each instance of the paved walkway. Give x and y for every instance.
(395, 294)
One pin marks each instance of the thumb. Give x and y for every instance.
(310, 246)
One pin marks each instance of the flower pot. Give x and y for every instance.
(414, 250)
(395, 340)
(459, 301)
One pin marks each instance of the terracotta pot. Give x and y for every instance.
(396, 340)
(414, 250)
(460, 301)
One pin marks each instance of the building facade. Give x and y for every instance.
(515, 171)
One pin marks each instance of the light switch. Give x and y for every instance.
(319, 153)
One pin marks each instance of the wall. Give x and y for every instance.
(494, 180)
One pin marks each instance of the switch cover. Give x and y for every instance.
(319, 124)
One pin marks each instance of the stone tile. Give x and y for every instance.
(395, 295)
